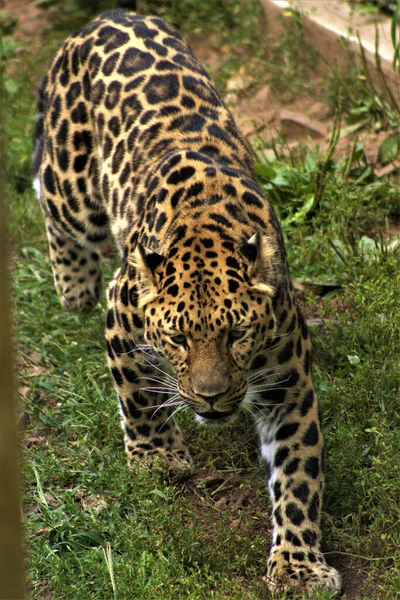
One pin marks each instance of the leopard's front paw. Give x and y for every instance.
(177, 460)
(302, 570)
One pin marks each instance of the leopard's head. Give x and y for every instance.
(208, 310)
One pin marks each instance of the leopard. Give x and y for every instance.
(134, 144)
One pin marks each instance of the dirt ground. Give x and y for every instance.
(258, 109)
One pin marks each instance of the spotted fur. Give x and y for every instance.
(133, 140)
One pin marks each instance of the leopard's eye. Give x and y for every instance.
(179, 339)
(236, 334)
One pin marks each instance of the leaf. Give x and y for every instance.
(10, 87)
(301, 214)
(365, 174)
(8, 48)
(47, 3)
(280, 180)
(353, 359)
(393, 35)
(367, 245)
(159, 494)
(265, 171)
(308, 189)
(345, 131)
(389, 148)
(311, 161)
(358, 152)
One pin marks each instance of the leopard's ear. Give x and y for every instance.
(250, 250)
(147, 263)
(258, 252)
(151, 259)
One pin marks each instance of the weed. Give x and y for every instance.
(305, 187)
(291, 59)
(365, 103)
(8, 50)
(395, 40)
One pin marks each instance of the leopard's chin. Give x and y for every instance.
(216, 417)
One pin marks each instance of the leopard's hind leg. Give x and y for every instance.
(76, 269)
(67, 185)
(75, 226)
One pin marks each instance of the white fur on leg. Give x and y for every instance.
(36, 186)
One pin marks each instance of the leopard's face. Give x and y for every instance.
(210, 319)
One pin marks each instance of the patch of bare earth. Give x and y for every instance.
(234, 500)
(31, 21)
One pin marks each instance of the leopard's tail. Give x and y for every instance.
(38, 136)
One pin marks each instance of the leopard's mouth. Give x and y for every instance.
(209, 413)
(213, 418)
(216, 415)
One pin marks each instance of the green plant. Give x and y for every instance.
(366, 100)
(299, 185)
(292, 187)
(8, 52)
(394, 35)
(291, 60)
(336, 207)
(7, 23)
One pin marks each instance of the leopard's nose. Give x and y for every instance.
(211, 389)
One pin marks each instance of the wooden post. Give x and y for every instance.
(11, 570)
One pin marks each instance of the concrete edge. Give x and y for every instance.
(327, 23)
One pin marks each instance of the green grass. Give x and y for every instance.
(93, 529)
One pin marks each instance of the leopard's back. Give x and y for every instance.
(122, 95)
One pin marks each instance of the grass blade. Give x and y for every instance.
(393, 34)
(110, 567)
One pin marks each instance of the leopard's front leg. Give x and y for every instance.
(292, 450)
(148, 397)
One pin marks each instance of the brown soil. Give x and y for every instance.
(32, 21)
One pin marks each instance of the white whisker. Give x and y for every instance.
(264, 373)
(182, 406)
(138, 348)
(156, 390)
(258, 390)
(151, 364)
(157, 378)
(159, 406)
(260, 387)
(160, 380)
(173, 401)
(264, 404)
(256, 411)
(283, 337)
